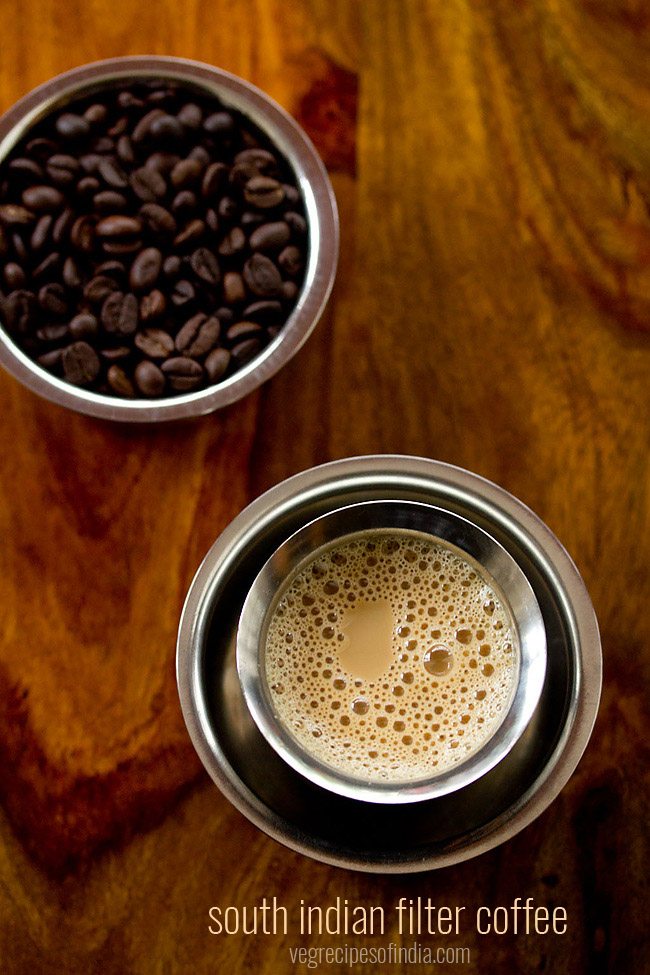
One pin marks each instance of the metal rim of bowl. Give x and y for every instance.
(475, 545)
(415, 474)
(320, 207)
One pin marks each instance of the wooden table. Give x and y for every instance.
(492, 309)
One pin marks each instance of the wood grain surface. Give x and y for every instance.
(492, 309)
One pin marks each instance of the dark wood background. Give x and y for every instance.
(492, 309)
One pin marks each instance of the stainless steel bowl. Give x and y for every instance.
(320, 206)
(349, 832)
(475, 545)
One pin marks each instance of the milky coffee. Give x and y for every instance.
(390, 657)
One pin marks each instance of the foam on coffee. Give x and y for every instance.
(390, 657)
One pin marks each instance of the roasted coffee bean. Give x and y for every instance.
(48, 268)
(14, 276)
(162, 162)
(155, 342)
(70, 126)
(41, 232)
(124, 149)
(234, 289)
(82, 233)
(183, 374)
(53, 299)
(250, 163)
(161, 96)
(263, 192)
(190, 234)
(172, 266)
(52, 333)
(246, 350)
(120, 313)
(233, 243)
(120, 382)
(188, 332)
(186, 173)
(71, 275)
(12, 215)
(40, 148)
(242, 330)
(183, 293)
(113, 174)
(216, 364)
(119, 225)
(95, 114)
(265, 312)
(28, 168)
(270, 236)
(80, 364)
(289, 290)
(116, 353)
(126, 99)
(104, 145)
(63, 225)
(291, 195)
(291, 260)
(149, 379)
(200, 153)
(158, 220)
(51, 360)
(152, 305)
(20, 248)
(212, 220)
(83, 326)
(198, 336)
(122, 248)
(90, 162)
(99, 288)
(143, 128)
(112, 269)
(262, 161)
(205, 266)
(148, 184)
(262, 276)
(166, 128)
(110, 201)
(219, 123)
(250, 220)
(225, 315)
(214, 178)
(62, 169)
(19, 310)
(296, 223)
(184, 202)
(206, 339)
(88, 186)
(148, 209)
(228, 208)
(190, 116)
(145, 269)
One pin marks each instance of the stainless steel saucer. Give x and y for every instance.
(490, 560)
(349, 832)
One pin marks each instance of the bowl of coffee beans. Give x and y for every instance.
(168, 239)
